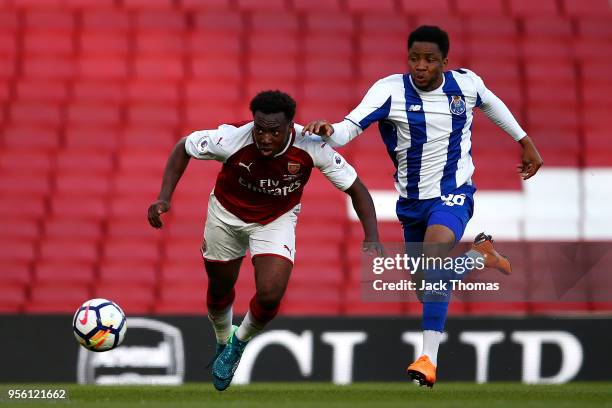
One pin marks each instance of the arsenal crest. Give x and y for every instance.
(293, 168)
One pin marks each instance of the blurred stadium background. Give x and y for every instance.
(94, 94)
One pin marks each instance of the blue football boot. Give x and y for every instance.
(226, 364)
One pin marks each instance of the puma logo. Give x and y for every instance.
(245, 166)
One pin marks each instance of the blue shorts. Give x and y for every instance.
(451, 210)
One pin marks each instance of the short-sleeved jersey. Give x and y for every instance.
(259, 189)
(427, 134)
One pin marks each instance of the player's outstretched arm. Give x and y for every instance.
(530, 158)
(175, 166)
(364, 207)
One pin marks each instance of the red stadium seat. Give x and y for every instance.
(474, 8)
(18, 183)
(86, 4)
(545, 50)
(184, 249)
(227, 69)
(213, 45)
(132, 229)
(136, 136)
(184, 272)
(57, 298)
(219, 21)
(128, 272)
(319, 23)
(255, 5)
(187, 299)
(65, 227)
(419, 8)
(52, 20)
(104, 43)
(599, 27)
(129, 206)
(160, 43)
(209, 5)
(77, 159)
(93, 114)
(140, 184)
(529, 8)
(42, 91)
(153, 91)
(324, 69)
(491, 27)
(47, 67)
(166, 5)
(69, 249)
(12, 160)
(74, 182)
(111, 21)
(103, 67)
(141, 161)
(79, 207)
(135, 250)
(284, 23)
(330, 45)
(263, 67)
(153, 114)
(64, 273)
(133, 299)
(27, 206)
(592, 50)
(12, 298)
(159, 68)
(31, 113)
(389, 23)
(15, 273)
(160, 20)
(315, 274)
(595, 8)
(548, 27)
(98, 91)
(365, 6)
(320, 5)
(300, 301)
(80, 136)
(48, 43)
(267, 44)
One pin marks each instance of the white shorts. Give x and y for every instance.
(227, 237)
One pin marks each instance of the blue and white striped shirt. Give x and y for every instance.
(427, 134)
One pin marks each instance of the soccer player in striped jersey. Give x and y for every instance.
(425, 120)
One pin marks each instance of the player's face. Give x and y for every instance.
(270, 132)
(426, 65)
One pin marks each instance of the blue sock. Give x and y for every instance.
(435, 302)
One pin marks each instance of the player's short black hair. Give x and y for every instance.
(433, 34)
(273, 102)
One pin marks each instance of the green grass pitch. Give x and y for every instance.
(271, 395)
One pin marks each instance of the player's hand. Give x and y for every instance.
(155, 211)
(373, 248)
(530, 158)
(319, 127)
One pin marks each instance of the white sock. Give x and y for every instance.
(249, 327)
(222, 323)
(431, 342)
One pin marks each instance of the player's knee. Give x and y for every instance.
(269, 298)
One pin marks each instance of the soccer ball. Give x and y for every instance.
(99, 325)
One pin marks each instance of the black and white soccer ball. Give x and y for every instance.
(99, 325)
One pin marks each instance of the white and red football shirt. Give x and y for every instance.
(259, 189)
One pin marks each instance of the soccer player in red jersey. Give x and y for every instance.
(255, 205)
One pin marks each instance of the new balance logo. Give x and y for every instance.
(245, 166)
(414, 108)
